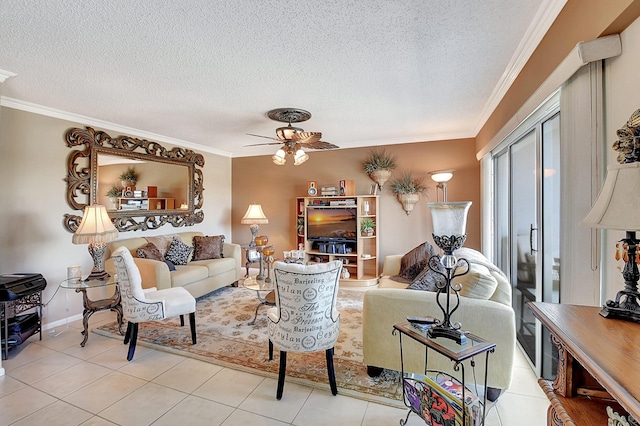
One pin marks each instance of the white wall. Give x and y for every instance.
(622, 98)
(33, 165)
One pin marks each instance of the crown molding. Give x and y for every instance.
(94, 122)
(4, 74)
(546, 15)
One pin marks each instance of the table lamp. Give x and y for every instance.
(449, 234)
(254, 217)
(617, 208)
(96, 229)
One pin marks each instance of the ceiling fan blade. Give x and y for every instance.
(306, 137)
(266, 143)
(260, 136)
(318, 145)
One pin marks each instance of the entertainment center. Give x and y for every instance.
(329, 229)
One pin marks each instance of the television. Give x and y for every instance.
(332, 224)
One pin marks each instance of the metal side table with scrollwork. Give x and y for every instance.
(417, 389)
(92, 306)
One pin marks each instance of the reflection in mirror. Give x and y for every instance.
(168, 187)
(159, 186)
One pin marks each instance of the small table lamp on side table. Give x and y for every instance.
(96, 229)
(254, 217)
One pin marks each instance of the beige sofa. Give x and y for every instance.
(198, 277)
(492, 319)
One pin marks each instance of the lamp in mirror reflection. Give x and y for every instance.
(617, 208)
(449, 234)
(96, 229)
(254, 217)
(441, 177)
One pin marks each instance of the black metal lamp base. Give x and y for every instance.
(627, 312)
(626, 306)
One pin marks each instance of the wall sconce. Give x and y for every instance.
(441, 177)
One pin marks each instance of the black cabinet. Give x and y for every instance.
(20, 319)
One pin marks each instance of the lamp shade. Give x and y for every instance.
(449, 218)
(444, 176)
(618, 203)
(254, 216)
(96, 226)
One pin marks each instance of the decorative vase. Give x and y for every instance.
(367, 232)
(380, 176)
(408, 201)
(345, 274)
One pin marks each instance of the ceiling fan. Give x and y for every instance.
(293, 139)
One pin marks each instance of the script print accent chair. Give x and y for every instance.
(140, 305)
(305, 318)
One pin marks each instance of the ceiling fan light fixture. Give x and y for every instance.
(300, 157)
(286, 133)
(278, 157)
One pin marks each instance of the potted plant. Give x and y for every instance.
(408, 190)
(379, 166)
(113, 193)
(129, 177)
(366, 226)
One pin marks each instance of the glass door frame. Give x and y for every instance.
(533, 123)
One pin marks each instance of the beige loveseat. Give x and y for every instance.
(199, 277)
(492, 319)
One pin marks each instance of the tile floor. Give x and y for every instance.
(56, 382)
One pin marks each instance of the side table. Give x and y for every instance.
(421, 399)
(260, 285)
(92, 306)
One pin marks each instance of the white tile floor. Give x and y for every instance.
(56, 382)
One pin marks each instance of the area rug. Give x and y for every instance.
(226, 338)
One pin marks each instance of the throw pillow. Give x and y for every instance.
(178, 252)
(208, 247)
(414, 262)
(162, 242)
(428, 280)
(478, 283)
(149, 251)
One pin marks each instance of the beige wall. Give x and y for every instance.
(258, 180)
(33, 158)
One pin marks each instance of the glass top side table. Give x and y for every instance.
(91, 306)
(415, 384)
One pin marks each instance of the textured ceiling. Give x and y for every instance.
(206, 72)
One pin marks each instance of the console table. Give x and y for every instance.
(598, 365)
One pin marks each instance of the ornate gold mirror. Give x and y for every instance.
(168, 188)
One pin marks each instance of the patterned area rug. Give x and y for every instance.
(226, 338)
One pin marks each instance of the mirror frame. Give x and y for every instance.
(82, 179)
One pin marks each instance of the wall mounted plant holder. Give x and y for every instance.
(408, 201)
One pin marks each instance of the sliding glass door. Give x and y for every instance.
(527, 228)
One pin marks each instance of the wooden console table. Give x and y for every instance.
(598, 365)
